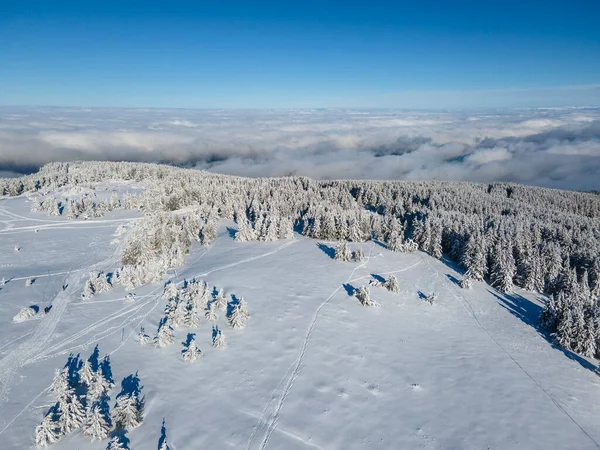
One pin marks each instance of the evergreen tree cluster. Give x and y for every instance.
(82, 389)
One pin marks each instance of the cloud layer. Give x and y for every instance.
(547, 147)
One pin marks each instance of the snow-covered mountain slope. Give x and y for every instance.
(313, 368)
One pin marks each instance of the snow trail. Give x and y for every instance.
(296, 366)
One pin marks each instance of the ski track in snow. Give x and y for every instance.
(467, 306)
(294, 370)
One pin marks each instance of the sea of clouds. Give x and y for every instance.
(547, 147)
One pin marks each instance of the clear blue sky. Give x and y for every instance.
(245, 54)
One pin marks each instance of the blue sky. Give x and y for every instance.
(242, 54)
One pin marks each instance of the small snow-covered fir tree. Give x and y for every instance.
(88, 290)
(116, 443)
(165, 335)
(101, 283)
(363, 295)
(99, 388)
(191, 352)
(211, 314)
(86, 374)
(28, 281)
(170, 291)
(245, 232)
(466, 283)
(191, 319)
(358, 255)
(238, 318)
(47, 432)
(219, 340)
(96, 424)
(391, 284)
(60, 382)
(342, 252)
(431, 298)
(220, 301)
(71, 413)
(127, 412)
(143, 338)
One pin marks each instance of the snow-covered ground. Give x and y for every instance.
(312, 369)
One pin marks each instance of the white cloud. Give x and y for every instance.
(549, 147)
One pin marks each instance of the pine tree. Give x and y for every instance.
(60, 383)
(237, 319)
(47, 432)
(165, 334)
(564, 331)
(96, 425)
(358, 255)
(86, 374)
(170, 291)
(190, 352)
(143, 338)
(128, 410)
(548, 319)
(391, 284)
(116, 444)
(221, 301)
(210, 314)
(191, 319)
(466, 283)
(342, 252)
(99, 388)
(219, 340)
(364, 297)
(71, 412)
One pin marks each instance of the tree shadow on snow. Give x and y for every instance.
(74, 363)
(421, 295)
(453, 279)
(231, 232)
(163, 435)
(94, 359)
(329, 251)
(130, 385)
(529, 313)
(188, 339)
(106, 370)
(378, 278)
(349, 289)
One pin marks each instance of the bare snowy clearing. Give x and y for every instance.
(312, 368)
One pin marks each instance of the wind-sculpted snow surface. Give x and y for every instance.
(312, 366)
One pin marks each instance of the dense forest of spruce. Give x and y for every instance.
(509, 235)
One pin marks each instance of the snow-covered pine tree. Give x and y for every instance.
(211, 315)
(191, 352)
(358, 255)
(391, 284)
(466, 283)
(165, 335)
(143, 338)
(96, 424)
(60, 383)
(99, 388)
(71, 413)
(191, 319)
(47, 432)
(86, 374)
(220, 301)
(219, 340)
(116, 443)
(128, 411)
(548, 317)
(363, 295)
(342, 252)
(170, 291)
(237, 319)
(88, 290)
(245, 232)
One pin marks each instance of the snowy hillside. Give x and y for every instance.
(312, 368)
